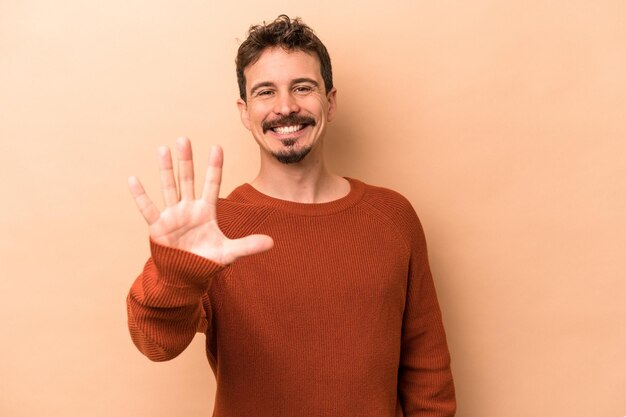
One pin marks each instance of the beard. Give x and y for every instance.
(291, 156)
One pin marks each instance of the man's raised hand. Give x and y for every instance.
(188, 223)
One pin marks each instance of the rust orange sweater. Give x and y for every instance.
(339, 319)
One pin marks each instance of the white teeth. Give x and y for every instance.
(287, 129)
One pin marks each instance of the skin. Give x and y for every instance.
(279, 84)
(189, 223)
(274, 92)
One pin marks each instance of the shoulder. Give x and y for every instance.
(391, 203)
(387, 198)
(394, 207)
(238, 216)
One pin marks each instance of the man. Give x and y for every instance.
(313, 290)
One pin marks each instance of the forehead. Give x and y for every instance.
(277, 65)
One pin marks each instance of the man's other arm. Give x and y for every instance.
(425, 382)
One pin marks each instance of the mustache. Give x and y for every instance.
(289, 120)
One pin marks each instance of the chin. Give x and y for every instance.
(292, 156)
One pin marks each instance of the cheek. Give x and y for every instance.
(258, 114)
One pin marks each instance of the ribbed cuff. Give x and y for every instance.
(179, 268)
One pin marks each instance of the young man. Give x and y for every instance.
(313, 290)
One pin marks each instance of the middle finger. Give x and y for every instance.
(185, 169)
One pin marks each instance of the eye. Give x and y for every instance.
(303, 89)
(265, 93)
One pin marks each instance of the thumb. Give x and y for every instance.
(246, 246)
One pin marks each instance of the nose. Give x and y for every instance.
(286, 104)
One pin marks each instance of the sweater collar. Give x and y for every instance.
(249, 194)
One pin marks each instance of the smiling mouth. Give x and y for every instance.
(289, 124)
(285, 130)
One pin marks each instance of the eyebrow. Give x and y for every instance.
(260, 85)
(271, 84)
(305, 80)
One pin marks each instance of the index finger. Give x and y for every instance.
(213, 180)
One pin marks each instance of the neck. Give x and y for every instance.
(308, 181)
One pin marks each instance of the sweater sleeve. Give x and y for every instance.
(425, 382)
(165, 303)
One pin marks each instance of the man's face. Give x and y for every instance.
(287, 107)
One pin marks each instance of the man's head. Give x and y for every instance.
(285, 33)
(287, 97)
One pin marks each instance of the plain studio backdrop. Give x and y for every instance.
(502, 122)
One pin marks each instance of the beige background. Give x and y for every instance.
(503, 122)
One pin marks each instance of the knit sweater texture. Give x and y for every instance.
(339, 319)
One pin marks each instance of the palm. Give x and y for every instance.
(188, 223)
(189, 226)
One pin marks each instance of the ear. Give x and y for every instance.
(332, 103)
(243, 113)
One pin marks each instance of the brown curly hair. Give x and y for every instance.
(284, 32)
